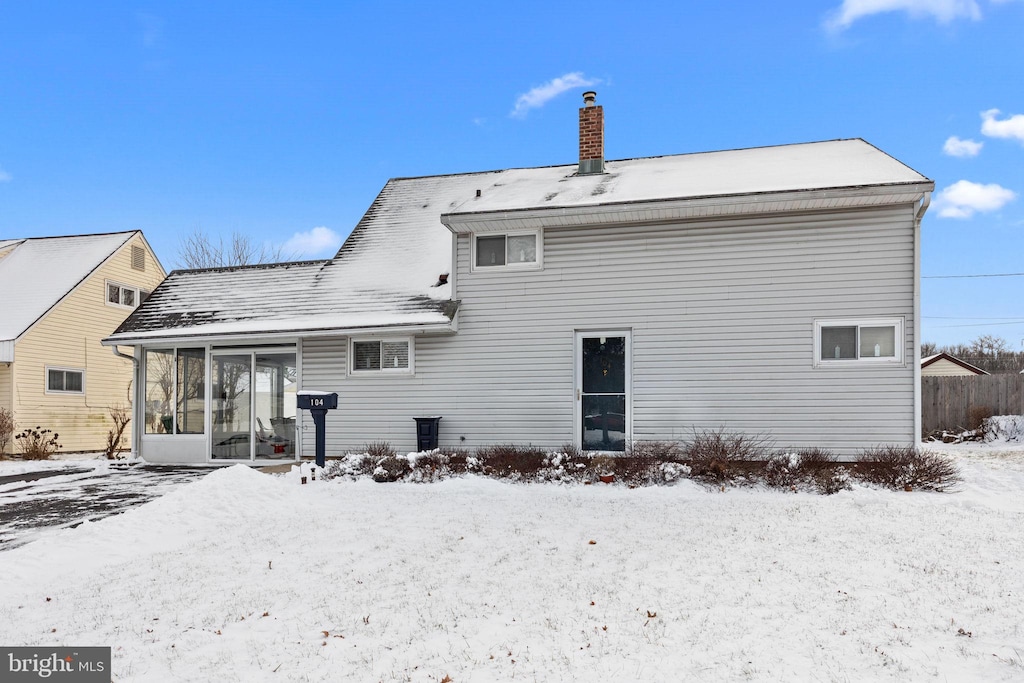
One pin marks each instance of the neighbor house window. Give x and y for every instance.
(513, 250)
(382, 355)
(861, 341)
(122, 295)
(65, 381)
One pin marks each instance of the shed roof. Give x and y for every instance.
(39, 271)
(934, 358)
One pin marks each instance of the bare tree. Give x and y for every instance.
(121, 417)
(201, 250)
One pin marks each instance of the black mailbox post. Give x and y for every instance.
(426, 433)
(318, 403)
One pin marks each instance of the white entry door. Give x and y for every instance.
(603, 406)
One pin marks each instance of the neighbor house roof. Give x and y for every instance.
(929, 360)
(386, 274)
(36, 273)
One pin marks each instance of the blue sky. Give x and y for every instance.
(282, 122)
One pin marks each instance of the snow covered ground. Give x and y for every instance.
(243, 576)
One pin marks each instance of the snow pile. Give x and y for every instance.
(1004, 428)
(243, 576)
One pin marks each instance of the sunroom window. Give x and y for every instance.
(858, 341)
(512, 250)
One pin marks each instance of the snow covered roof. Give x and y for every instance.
(784, 168)
(386, 274)
(38, 272)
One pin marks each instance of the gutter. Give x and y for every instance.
(138, 401)
(926, 200)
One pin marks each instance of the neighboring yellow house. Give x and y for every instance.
(945, 365)
(59, 296)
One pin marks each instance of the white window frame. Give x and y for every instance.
(353, 371)
(535, 265)
(121, 287)
(46, 379)
(899, 341)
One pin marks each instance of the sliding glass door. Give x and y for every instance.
(253, 405)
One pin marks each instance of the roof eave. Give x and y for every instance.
(688, 208)
(244, 337)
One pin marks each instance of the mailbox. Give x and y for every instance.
(318, 403)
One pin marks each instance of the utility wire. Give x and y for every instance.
(950, 277)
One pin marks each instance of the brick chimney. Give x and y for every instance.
(591, 135)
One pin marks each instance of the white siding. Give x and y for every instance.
(722, 315)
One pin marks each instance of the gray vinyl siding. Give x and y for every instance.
(722, 320)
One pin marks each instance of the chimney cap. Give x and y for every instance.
(589, 98)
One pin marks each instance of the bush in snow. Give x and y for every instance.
(977, 415)
(379, 449)
(391, 468)
(511, 461)
(37, 444)
(906, 468)
(815, 469)
(720, 456)
(1004, 428)
(6, 429)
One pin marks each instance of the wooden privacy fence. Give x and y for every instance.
(946, 402)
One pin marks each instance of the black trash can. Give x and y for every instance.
(426, 432)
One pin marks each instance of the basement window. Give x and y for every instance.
(840, 342)
(511, 250)
(65, 381)
(381, 356)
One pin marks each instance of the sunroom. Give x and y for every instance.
(213, 404)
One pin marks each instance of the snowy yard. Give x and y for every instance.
(243, 576)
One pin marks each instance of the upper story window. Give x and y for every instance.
(122, 295)
(65, 381)
(382, 355)
(511, 250)
(858, 341)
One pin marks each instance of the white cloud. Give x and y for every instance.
(319, 241)
(963, 199)
(943, 11)
(1012, 127)
(5, 177)
(542, 94)
(955, 147)
(151, 29)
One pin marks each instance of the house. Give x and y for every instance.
(59, 296)
(771, 290)
(945, 365)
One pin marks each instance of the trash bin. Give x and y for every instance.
(426, 432)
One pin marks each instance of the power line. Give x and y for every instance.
(965, 317)
(950, 277)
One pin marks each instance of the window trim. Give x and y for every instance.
(353, 371)
(538, 264)
(899, 323)
(46, 380)
(121, 286)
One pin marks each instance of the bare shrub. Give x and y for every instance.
(976, 416)
(906, 468)
(430, 466)
(641, 464)
(459, 459)
(391, 468)
(511, 461)
(121, 418)
(379, 449)
(811, 468)
(718, 455)
(6, 429)
(37, 444)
